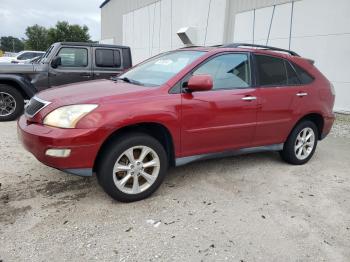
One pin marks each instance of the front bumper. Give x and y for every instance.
(83, 143)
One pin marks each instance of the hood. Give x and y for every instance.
(7, 59)
(96, 91)
(8, 68)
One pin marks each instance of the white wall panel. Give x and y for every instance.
(320, 31)
(281, 22)
(244, 27)
(262, 22)
(328, 53)
(342, 96)
(152, 29)
(155, 28)
(190, 13)
(320, 17)
(165, 25)
(216, 23)
(128, 29)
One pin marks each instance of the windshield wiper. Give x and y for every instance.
(128, 80)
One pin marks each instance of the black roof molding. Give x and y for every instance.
(91, 44)
(266, 47)
(104, 3)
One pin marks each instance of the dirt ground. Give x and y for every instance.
(246, 208)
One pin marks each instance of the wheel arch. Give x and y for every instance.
(26, 89)
(316, 118)
(154, 129)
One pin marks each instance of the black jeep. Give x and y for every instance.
(63, 63)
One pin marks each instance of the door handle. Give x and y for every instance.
(86, 75)
(301, 94)
(249, 98)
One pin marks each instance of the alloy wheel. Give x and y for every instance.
(7, 104)
(136, 169)
(304, 143)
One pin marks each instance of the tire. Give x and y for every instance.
(118, 151)
(298, 149)
(11, 103)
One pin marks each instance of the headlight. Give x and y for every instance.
(68, 116)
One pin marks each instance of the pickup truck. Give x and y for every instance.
(63, 63)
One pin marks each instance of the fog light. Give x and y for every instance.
(58, 152)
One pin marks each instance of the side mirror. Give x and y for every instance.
(56, 62)
(200, 83)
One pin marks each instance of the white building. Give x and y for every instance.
(316, 29)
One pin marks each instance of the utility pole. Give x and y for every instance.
(13, 45)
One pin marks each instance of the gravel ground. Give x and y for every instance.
(246, 208)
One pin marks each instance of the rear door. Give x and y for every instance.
(107, 62)
(75, 66)
(223, 118)
(278, 93)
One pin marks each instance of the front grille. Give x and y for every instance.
(34, 106)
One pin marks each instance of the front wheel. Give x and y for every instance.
(132, 167)
(301, 143)
(11, 103)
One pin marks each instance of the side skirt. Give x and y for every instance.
(189, 159)
(79, 171)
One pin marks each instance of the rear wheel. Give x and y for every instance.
(132, 167)
(301, 143)
(11, 103)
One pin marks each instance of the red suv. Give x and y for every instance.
(180, 106)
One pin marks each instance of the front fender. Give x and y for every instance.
(25, 86)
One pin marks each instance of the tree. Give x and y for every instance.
(64, 32)
(40, 38)
(37, 38)
(11, 44)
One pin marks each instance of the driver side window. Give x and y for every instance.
(228, 71)
(73, 57)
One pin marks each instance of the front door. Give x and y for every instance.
(75, 66)
(223, 118)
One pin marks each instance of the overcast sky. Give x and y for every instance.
(16, 15)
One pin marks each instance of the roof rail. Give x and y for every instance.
(237, 45)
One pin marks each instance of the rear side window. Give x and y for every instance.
(293, 78)
(272, 71)
(304, 77)
(107, 58)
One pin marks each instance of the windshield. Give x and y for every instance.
(160, 69)
(45, 55)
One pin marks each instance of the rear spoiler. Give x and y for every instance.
(310, 61)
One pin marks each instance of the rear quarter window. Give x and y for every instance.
(304, 77)
(107, 58)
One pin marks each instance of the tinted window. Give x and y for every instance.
(107, 58)
(227, 71)
(271, 70)
(292, 75)
(126, 58)
(304, 77)
(73, 57)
